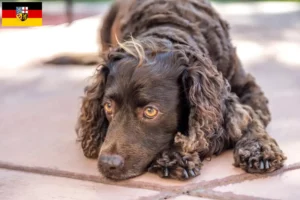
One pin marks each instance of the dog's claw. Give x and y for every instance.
(166, 172)
(242, 158)
(250, 164)
(267, 164)
(262, 165)
(184, 160)
(197, 170)
(185, 174)
(192, 173)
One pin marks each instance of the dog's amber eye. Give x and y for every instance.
(108, 108)
(150, 112)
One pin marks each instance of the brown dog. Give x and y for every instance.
(170, 92)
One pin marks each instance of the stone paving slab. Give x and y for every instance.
(25, 186)
(39, 105)
(186, 197)
(284, 186)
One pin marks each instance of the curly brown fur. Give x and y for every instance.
(256, 151)
(182, 60)
(92, 124)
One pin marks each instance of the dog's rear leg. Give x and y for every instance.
(104, 42)
(255, 150)
(74, 59)
(249, 92)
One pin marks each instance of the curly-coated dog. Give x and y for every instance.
(170, 92)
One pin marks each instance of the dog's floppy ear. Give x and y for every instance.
(92, 124)
(203, 86)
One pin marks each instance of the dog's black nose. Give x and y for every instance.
(111, 162)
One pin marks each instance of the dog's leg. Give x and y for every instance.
(249, 92)
(255, 150)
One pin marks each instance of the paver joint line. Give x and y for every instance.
(232, 179)
(80, 176)
(160, 196)
(165, 192)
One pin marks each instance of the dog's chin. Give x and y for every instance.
(120, 176)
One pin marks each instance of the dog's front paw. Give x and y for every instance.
(173, 165)
(258, 156)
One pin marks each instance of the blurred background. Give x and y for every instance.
(255, 20)
(265, 33)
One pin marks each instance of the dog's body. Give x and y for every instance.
(173, 95)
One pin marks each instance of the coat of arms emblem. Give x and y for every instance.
(22, 13)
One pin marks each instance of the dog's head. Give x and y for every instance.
(141, 97)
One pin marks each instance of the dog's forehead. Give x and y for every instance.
(149, 81)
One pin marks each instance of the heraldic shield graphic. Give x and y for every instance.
(22, 13)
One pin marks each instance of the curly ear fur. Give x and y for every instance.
(204, 87)
(92, 124)
(205, 92)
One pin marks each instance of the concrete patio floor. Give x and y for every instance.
(39, 156)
